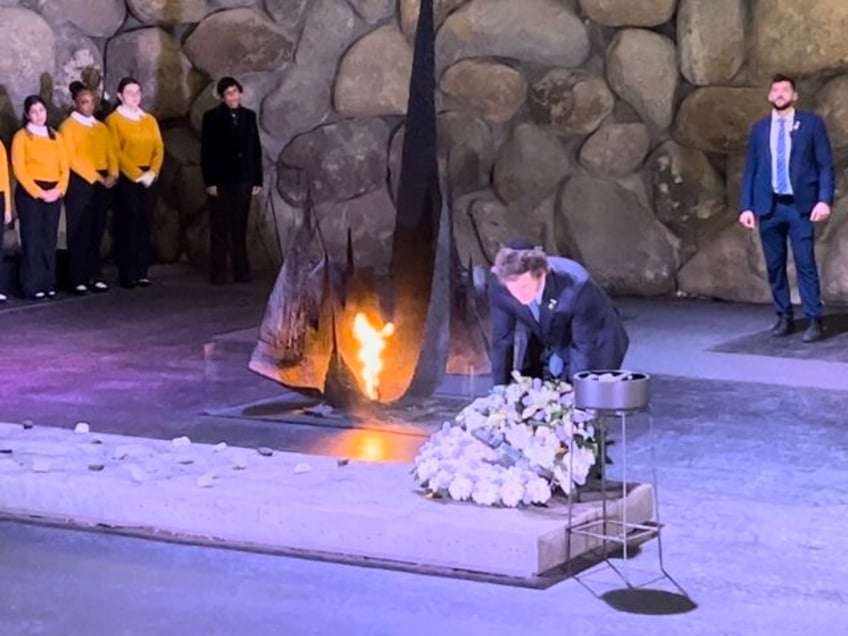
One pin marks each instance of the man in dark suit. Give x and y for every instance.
(231, 162)
(550, 319)
(788, 187)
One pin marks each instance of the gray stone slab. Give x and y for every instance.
(287, 501)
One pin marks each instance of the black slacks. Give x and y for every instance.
(131, 224)
(228, 215)
(86, 206)
(39, 224)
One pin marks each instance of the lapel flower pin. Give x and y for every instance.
(552, 302)
(796, 126)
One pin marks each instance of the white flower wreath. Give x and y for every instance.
(510, 447)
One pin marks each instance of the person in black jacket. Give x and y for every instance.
(231, 161)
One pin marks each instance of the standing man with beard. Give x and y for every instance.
(231, 161)
(788, 187)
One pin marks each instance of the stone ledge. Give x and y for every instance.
(286, 502)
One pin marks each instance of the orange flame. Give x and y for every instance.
(372, 343)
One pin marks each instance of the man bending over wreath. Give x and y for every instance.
(550, 319)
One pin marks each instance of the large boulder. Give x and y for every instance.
(95, 18)
(616, 236)
(711, 39)
(371, 222)
(531, 165)
(482, 224)
(466, 153)
(155, 59)
(297, 104)
(541, 31)
(342, 161)
(719, 118)
(689, 195)
(75, 53)
(798, 38)
(570, 102)
(486, 88)
(616, 149)
(373, 11)
(409, 11)
(22, 62)
(832, 104)
(729, 268)
(642, 70)
(329, 27)
(238, 41)
(834, 260)
(169, 11)
(642, 13)
(288, 14)
(373, 76)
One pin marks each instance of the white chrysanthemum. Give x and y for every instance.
(512, 492)
(441, 480)
(519, 436)
(461, 488)
(485, 493)
(427, 469)
(537, 491)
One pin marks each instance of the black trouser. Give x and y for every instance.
(39, 229)
(228, 214)
(86, 205)
(131, 222)
(2, 235)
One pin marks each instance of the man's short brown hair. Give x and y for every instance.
(511, 263)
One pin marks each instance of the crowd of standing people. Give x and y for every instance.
(97, 161)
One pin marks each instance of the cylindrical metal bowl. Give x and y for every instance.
(611, 390)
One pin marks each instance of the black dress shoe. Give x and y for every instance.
(814, 332)
(143, 282)
(783, 326)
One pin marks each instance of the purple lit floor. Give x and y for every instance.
(751, 445)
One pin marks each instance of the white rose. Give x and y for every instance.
(461, 488)
(512, 492)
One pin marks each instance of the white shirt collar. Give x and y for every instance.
(40, 131)
(85, 120)
(788, 115)
(135, 114)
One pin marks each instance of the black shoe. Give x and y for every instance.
(814, 332)
(143, 282)
(783, 326)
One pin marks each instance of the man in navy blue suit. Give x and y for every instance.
(787, 188)
(550, 319)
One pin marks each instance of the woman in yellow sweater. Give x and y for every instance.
(6, 202)
(140, 150)
(40, 165)
(94, 171)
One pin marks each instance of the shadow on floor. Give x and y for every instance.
(833, 348)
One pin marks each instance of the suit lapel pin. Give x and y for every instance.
(796, 126)
(552, 302)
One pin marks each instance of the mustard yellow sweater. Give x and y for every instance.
(89, 149)
(37, 158)
(5, 186)
(137, 143)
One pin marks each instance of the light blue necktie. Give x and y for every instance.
(535, 309)
(782, 172)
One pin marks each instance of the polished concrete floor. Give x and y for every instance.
(750, 441)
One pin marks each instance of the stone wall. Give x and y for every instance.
(612, 131)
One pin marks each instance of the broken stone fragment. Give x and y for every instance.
(181, 441)
(220, 446)
(28, 424)
(302, 468)
(82, 428)
(265, 451)
(40, 466)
